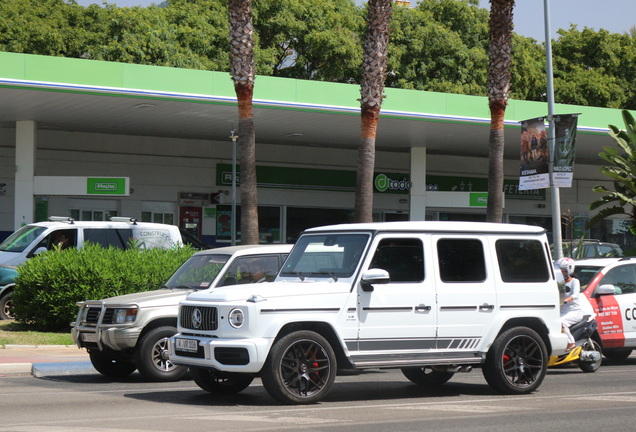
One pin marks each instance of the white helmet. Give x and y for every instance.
(567, 264)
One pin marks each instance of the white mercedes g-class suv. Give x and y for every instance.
(430, 298)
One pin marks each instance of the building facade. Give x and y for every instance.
(91, 139)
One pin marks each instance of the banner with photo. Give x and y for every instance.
(564, 149)
(534, 155)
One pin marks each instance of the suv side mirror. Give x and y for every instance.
(374, 276)
(605, 289)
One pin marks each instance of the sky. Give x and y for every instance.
(616, 16)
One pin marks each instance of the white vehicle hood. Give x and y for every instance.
(269, 290)
(156, 298)
(11, 258)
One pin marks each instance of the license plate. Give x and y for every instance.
(189, 345)
(89, 337)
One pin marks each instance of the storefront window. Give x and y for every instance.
(92, 215)
(269, 223)
(299, 219)
(157, 217)
(462, 217)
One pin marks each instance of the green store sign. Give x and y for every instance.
(106, 186)
(392, 183)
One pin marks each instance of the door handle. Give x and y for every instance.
(422, 307)
(486, 306)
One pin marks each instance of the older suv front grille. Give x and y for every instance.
(198, 318)
(92, 315)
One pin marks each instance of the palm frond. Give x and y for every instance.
(605, 213)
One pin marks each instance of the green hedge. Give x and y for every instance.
(49, 285)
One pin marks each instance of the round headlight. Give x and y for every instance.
(236, 318)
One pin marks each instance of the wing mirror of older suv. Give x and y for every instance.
(372, 277)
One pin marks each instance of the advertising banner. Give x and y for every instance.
(564, 149)
(534, 155)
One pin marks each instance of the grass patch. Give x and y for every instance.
(12, 333)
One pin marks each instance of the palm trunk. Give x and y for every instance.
(499, 53)
(366, 164)
(371, 91)
(495, 162)
(242, 71)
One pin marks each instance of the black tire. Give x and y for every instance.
(516, 362)
(6, 306)
(617, 354)
(591, 345)
(220, 383)
(109, 365)
(427, 376)
(300, 369)
(151, 356)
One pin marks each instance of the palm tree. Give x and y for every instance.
(242, 72)
(499, 59)
(622, 170)
(371, 92)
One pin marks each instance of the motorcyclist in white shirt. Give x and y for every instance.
(571, 310)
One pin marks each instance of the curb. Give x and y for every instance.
(15, 369)
(39, 370)
(9, 346)
(37, 367)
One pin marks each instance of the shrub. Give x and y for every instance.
(50, 284)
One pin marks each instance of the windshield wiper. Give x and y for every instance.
(181, 287)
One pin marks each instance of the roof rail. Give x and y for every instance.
(123, 219)
(70, 220)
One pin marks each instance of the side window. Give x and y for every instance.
(402, 258)
(108, 237)
(623, 278)
(522, 261)
(61, 238)
(252, 269)
(461, 260)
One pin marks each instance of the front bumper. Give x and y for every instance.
(227, 355)
(113, 338)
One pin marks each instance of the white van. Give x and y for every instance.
(37, 237)
(64, 232)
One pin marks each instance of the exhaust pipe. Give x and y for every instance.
(454, 369)
(590, 356)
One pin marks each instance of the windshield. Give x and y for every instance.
(21, 239)
(586, 273)
(198, 272)
(325, 255)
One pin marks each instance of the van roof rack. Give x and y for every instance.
(123, 219)
(68, 219)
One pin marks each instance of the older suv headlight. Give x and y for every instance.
(236, 317)
(124, 315)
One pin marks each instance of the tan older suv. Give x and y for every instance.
(131, 331)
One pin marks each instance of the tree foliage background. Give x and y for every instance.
(438, 45)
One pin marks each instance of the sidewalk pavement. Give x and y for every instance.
(43, 360)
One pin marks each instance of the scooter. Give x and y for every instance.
(586, 352)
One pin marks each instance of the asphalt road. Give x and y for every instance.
(379, 401)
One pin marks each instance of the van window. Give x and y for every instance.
(461, 260)
(21, 239)
(117, 238)
(402, 258)
(521, 261)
